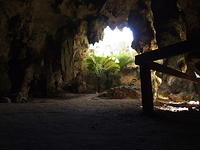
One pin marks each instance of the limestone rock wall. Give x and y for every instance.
(43, 42)
(174, 22)
(141, 22)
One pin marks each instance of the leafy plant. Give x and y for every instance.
(124, 59)
(105, 69)
(102, 68)
(100, 64)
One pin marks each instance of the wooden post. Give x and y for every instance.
(146, 88)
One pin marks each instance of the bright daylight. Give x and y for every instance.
(114, 42)
(108, 59)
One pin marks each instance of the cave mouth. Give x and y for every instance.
(113, 42)
(110, 62)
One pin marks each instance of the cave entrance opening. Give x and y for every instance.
(114, 42)
(110, 60)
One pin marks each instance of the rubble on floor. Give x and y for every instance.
(122, 92)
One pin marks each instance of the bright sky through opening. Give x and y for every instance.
(114, 42)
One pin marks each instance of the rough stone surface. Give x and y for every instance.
(49, 35)
(122, 92)
(43, 42)
(172, 27)
(141, 23)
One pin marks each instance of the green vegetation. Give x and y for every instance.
(124, 59)
(100, 65)
(106, 69)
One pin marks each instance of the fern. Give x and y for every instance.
(100, 64)
(106, 68)
(125, 59)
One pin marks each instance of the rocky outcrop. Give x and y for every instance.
(173, 27)
(122, 92)
(43, 42)
(191, 14)
(141, 23)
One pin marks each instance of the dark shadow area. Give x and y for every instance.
(93, 123)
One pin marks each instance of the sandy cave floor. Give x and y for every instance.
(86, 122)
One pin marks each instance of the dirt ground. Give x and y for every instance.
(86, 122)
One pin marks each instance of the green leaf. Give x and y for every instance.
(125, 59)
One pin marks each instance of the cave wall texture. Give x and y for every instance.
(43, 42)
(176, 21)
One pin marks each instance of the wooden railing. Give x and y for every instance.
(146, 63)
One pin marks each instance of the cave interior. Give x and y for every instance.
(139, 54)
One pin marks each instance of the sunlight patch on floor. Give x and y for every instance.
(180, 106)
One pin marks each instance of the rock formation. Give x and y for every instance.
(43, 42)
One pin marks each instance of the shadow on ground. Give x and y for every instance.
(90, 123)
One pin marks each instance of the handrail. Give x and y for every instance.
(170, 71)
(168, 51)
(146, 63)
